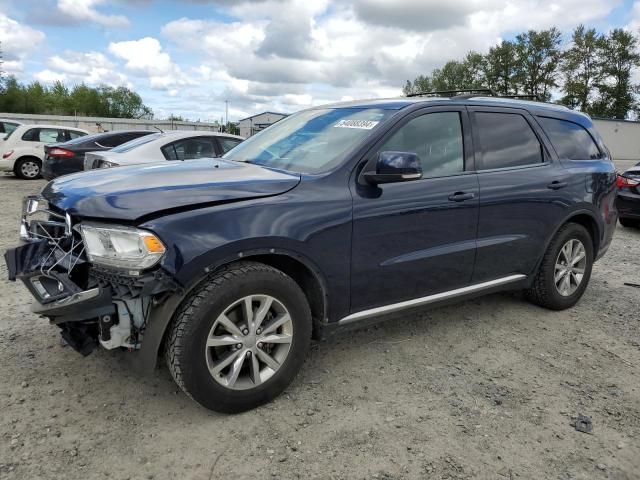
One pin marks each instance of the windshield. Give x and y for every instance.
(125, 147)
(311, 141)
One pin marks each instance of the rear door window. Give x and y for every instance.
(506, 140)
(44, 135)
(571, 141)
(189, 148)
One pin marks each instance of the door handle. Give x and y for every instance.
(557, 185)
(460, 196)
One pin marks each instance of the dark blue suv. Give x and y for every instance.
(327, 219)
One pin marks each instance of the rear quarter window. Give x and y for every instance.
(73, 134)
(571, 141)
(131, 144)
(228, 143)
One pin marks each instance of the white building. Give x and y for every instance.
(252, 125)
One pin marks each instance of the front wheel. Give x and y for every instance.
(239, 340)
(565, 269)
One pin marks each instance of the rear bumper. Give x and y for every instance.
(6, 165)
(53, 168)
(628, 204)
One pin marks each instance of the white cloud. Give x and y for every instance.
(146, 58)
(85, 11)
(634, 23)
(48, 76)
(301, 52)
(289, 54)
(17, 41)
(92, 68)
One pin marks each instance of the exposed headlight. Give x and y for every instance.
(121, 247)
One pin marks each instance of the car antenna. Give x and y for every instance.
(158, 128)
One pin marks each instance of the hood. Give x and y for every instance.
(129, 193)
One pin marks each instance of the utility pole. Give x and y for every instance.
(226, 112)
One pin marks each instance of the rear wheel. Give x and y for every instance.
(27, 168)
(629, 223)
(239, 340)
(565, 269)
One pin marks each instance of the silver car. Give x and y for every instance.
(173, 145)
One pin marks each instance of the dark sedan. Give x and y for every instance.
(628, 200)
(68, 157)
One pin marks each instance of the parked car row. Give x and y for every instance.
(31, 151)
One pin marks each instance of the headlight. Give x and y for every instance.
(121, 247)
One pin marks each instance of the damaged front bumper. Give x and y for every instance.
(92, 305)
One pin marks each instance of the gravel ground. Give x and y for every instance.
(486, 389)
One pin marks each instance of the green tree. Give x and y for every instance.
(450, 77)
(12, 99)
(84, 100)
(616, 91)
(500, 68)
(124, 103)
(36, 98)
(537, 59)
(582, 68)
(232, 128)
(58, 99)
(422, 83)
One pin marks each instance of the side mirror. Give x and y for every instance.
(394, 167)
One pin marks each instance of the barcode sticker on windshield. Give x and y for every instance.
(361, 124)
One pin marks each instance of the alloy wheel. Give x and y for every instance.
(570, 267)
(249, 342)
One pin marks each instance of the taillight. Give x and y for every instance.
(7, 154)
(60, 152)
(626, 182)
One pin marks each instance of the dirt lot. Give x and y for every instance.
(486, 389)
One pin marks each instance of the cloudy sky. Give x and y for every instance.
(188, 57)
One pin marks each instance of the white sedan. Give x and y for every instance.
(173, 145)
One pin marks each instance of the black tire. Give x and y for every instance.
(186, 339)
(628, 222)
(32, 173)
(543, 292)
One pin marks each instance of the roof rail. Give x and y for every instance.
(455, 93)
(522, 96)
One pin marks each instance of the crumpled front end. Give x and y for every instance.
(91, 304)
